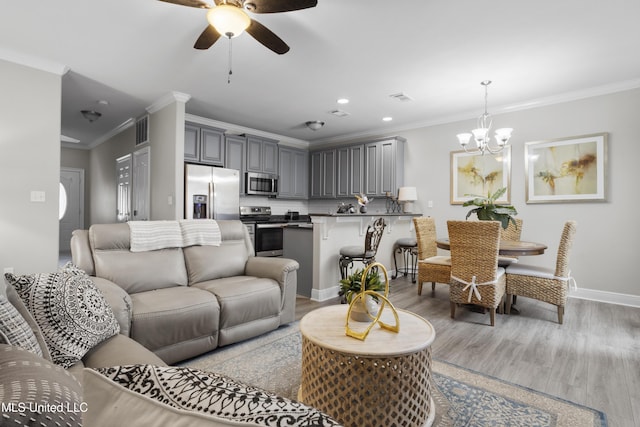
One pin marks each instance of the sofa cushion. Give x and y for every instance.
(71, 312)
(244, 299)
(134, 271)
(120, 350)
(185, 397)
(33, 391)
(14, 329)
(173, 315)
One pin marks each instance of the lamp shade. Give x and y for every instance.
(228, 20)
(407, 194)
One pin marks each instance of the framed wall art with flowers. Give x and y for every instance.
(478, 174)
(566, 169)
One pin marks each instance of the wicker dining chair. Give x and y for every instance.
(475, 276)
(544, 284)
(512, 233)
(365, 254)
(432, 267)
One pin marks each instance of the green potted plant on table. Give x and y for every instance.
(352, 285)
(488, 210)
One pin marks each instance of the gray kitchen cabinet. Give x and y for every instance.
(373, 168)
(262, 155)
(349, 170)
(293, 165)
(203, 144)
(235, 156)
(383, 166)
(298, 244)
(323, 174)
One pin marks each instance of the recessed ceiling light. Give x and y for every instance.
(343, 101)
(387, 119)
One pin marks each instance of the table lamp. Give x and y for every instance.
(406, 196)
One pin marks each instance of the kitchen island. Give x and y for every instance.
(333, 231)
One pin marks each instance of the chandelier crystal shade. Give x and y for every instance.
(481, 134)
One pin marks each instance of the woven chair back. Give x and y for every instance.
(566, 243)
(374, 234)
(425, 236)
(513, 232)
(474, 249)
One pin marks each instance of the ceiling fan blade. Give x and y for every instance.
(267, 37)
(208, 37)
(200, 4)
(275, 6)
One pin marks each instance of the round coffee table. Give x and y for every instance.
(383, 381)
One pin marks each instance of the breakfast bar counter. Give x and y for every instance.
(333, 231)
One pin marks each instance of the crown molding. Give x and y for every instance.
(34, 62)
(168, 99)
(233, 129)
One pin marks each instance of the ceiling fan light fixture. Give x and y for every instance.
(91, 115)
(228, 20)
(314, 124)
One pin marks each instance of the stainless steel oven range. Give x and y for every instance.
(267, 231)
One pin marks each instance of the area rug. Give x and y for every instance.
(462, 397)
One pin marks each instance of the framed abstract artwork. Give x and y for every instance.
(479, 174)
(567, 169)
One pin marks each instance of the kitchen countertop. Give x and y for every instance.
(366, 214)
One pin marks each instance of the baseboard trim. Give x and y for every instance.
(324, 294)
(580, 293)
(607, 297)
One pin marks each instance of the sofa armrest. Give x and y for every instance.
(119, 300)
(285, 272)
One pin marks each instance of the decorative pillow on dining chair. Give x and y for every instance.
(70, 310)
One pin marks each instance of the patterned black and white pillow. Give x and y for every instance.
(14, 329)
(36, 392)
(70, 310)
(215, 396)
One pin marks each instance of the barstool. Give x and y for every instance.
(408, 248)
(366, 254)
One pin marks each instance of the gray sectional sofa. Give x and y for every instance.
(180, 302)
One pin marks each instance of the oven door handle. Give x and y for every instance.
(270, 225)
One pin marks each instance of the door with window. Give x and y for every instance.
(71, 205)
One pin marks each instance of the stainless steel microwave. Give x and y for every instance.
(261, 184)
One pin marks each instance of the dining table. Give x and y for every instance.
(506, 247)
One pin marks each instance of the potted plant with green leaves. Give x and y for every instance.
(488, 210)
(352, 285)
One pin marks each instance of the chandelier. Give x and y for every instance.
(481, 133)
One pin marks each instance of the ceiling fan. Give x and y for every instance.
(229, 18)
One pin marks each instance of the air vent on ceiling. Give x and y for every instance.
(142, 130)
(339, 113)
(403, 97)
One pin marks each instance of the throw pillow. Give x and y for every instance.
(35, 392)
(14, 330)
(181, 396)
(70, 310)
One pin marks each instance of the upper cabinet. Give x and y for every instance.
(373, 168)
(235, 156)
(293, 173)
(262, 155)
(322, 174)
(203, 144)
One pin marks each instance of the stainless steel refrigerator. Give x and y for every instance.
(211, 192)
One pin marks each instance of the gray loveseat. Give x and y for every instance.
(180, 302)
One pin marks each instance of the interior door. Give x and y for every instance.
(72, 181)
(141, 197)
(123, 177)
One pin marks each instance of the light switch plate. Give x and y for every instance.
(38, 196)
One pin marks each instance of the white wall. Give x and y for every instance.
(604, 254)
(29, 161)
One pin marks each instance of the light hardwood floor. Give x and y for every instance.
(592, 359)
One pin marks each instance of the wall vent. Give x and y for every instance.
(403, 97)
(142, 130)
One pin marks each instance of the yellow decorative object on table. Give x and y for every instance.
(360, 298)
